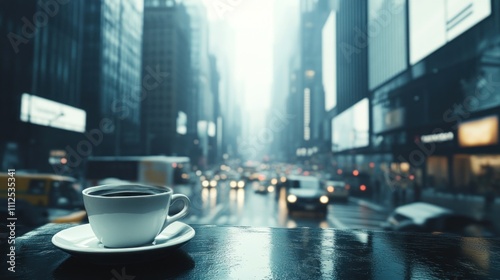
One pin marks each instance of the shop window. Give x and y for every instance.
(437, 173)
(477, 173)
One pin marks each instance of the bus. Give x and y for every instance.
(151, 170)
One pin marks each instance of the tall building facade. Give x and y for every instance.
(305, 102)
(286, 24)
(40, 56)
(350, 124)
(437, 96)
(202, 89)
(215, 134)
(168, 110)
(112, 88)
(419, 118)
(313, 17)
(222, 45)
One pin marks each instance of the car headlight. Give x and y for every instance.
(330, 189)
(205, 183)
(292, 198)
(213, 183)
(241, 184)
(323, 199)
(233, 184)
(270, 189)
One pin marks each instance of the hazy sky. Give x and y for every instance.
(253, 25)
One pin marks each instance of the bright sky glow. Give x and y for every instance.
(252, 21)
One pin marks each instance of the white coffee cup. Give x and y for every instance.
(130, 215)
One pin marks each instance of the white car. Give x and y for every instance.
(337, 190)
(425, 217)
(306, 193)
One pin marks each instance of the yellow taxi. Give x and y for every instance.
(37, 199)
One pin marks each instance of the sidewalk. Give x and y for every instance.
(469, 205)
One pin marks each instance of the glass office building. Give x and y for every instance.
(112, 73)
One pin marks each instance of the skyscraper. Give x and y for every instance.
(168, 109)
(111, 81)
(201, 78)
(40, 56)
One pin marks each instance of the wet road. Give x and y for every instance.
(243, 207)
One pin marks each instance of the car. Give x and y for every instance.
(237, 184)
(209, 183)
(337, 190)
(359, 183)
(263, 187)
(209, 179)
(264, 182)
(41, 198)
(426, 217)
(281, 184)
(306, 193)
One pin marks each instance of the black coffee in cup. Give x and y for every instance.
(129, 191)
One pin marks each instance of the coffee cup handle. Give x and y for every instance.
(184, 211)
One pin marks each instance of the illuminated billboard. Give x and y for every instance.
(329, 59)
(350, 129)
(41, 111)
(481, 132)
(433, 23)
(181, 123)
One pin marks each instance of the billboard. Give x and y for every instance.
(182, 123)
(433, 23)
(329, 59)
(45, 112)
(350, 129)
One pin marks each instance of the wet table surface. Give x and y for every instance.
(219, 252)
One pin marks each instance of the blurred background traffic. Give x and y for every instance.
(360, 114)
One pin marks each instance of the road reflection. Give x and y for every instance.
(236, 201)
(209, 198)
(481, 257)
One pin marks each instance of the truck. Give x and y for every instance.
(152, 170)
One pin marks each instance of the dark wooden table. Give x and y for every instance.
(219, 252)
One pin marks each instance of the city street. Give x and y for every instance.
(244, 207)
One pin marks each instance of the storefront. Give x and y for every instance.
(476, 165)
(465, 160)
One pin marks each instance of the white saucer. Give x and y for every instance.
(80, 241)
